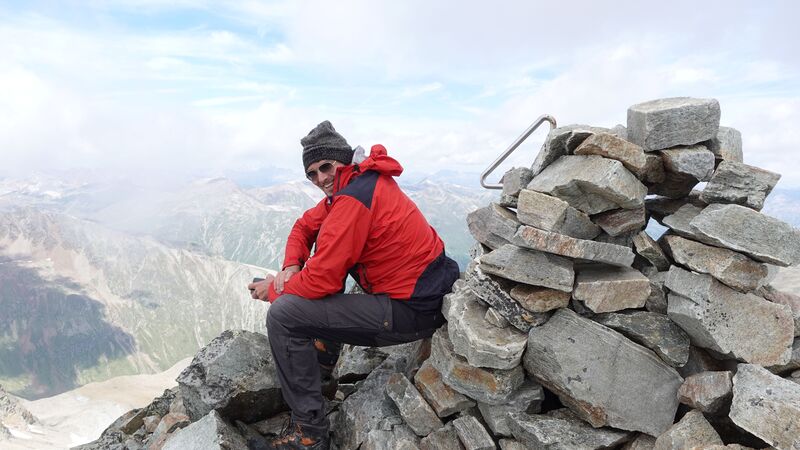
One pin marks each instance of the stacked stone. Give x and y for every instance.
(620, 328)
(571, 328)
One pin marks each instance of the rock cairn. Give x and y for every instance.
(572, 328)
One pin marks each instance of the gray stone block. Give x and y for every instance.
(716, 317)
(665, 123)
(606, 289)
(619, 221)
(741, 184)
(727, 145)
(530, 267)
(559, 244)
(538, 299)
(621, 385)
(708, 392)
(209, 433)
(553, 214)
(609, 146)
(527, 398)
(442, 398)
(767, 406)
(757, 235)
(648, 249)
(562, 430)
(472, 434)
(416, 412)
(692, 431)
(492, 225)
(515, 180)
(592, 184)
(695, 161)
(562, 141)
(652, 330)
(494, 292)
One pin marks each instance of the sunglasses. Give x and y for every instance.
(324, 168)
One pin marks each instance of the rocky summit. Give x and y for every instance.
(571, 328)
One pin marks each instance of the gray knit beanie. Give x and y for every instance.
(323, 142)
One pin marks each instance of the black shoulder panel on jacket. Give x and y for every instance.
(362, 188)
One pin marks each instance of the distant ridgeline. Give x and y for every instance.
(572, 327)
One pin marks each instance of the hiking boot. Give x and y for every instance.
(294, 437)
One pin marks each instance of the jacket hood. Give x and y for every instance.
(378, 160)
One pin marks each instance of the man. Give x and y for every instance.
(367, 227)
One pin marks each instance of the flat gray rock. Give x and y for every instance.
(592, 184)
(561, 429)
(727, 144)
(680, 221)
(607, 289)
(235, 375)
(660, 207)
(732, 268)
(492, 225)
(562, 141)
(530, 267)
(515, 180)
(648, 249)
(609, 146)
(694, 160)
(665, 123)
(652, 330)
(472, 434)
(444, 438)
(539, 299)
(209, 433)
(416, 412)
(527, 398)
(734, 182)
(546, 241)
(782, 298)
(657, 301)
(549, 213)
(495, 293)
(493, 386)
(399, 437)
(622, 384)
(767, 406)
(476, 340)
(743, 326)
(757, 235)
(442, 398)
(693, 430)
(641, 442)
(674, 185)
(708, 392)
(619, 221)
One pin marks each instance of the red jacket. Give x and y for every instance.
(371, 229)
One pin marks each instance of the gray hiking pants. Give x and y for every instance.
(359, 319)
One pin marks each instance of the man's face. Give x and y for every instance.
(321, 173)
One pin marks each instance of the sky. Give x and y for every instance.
(195, 88)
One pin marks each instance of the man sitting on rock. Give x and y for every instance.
(367, 227)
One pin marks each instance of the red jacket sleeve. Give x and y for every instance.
(303, 234)
(340, 241)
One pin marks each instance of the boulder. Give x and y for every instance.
(708, 392)
(652, 330)
(601, 375)
(515, 180)
(539, 299)
(559, 244)
(527, 398)
(732, 268)
(592, 184)
(693, 430)
(767, 406)
(494, 292)
(562, 141)
(553, 214)
(606, 289)
(530, 267)
(734, 182)
(444, 438)
(695, 161)
(472, 434)
(493, 386)
(742, 229)
(209, 433)
(742, 326)
(648, 249)
(492, 225)
(415, 411)
(665, 123)
(619, 221)
(727, 144)
(609, 146)
(481, 344)
(442, 398)
(561, 429)
(235, 375)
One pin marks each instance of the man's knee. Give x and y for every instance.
(286, 311)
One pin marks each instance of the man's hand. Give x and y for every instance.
(283, 276)
(259, 290)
